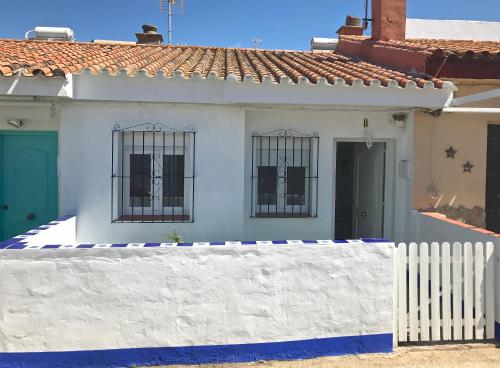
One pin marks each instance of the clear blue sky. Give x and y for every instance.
(281, 24)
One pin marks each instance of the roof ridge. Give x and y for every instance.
(131, 44)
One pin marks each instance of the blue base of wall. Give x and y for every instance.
(497, 331)
(201, 354)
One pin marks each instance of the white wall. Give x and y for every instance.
(223, 167)
(86, 171)
(33, 117)
(66, 300)
(56, 232)
(453, 29)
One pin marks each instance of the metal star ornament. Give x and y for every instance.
(450, 152)
(468, 167)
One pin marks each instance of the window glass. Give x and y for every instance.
(140, 180)
(295, 185)
(173, 180)
(267, 181)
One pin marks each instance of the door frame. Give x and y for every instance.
(389, 182)
(4, 133)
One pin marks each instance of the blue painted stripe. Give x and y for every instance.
(52, 246)
(6, 243)
(20, 245)
(150, 245)
(497, 331)
(119, 245)
(86, 246)
(291, 350)
(375, 240)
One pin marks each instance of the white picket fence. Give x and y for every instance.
(445, 294)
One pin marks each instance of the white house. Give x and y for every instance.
(218, 144)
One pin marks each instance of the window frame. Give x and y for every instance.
(158, 141)
(283, 149)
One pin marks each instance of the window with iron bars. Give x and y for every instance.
(284, 174)
(152, 174)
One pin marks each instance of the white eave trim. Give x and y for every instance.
(20, 85)
(158, 88)
(473, 110)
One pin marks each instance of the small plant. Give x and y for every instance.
(175, 237)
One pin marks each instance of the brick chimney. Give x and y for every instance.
(351, 27)
(389, 20)
(149, 36)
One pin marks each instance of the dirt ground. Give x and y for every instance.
(442, 356)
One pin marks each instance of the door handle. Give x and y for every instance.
(5, 207)
(30, 216)
(364, 214)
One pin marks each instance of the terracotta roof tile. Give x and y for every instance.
(50, 58)
(458, 48)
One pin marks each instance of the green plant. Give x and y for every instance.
(175, 237)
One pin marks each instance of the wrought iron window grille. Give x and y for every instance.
(284, 174)
(152, 173)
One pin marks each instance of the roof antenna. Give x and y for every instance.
(171, 7)
(256, 42)
(366, 19)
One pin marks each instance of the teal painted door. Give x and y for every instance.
(28, 181)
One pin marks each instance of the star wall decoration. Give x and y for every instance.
(468, 167)
(450, 152)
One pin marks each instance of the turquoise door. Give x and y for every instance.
(28, 181)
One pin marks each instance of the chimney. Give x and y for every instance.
(149, 36)
(351, 27)
(389, 20)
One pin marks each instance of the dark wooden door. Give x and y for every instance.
(493, 179)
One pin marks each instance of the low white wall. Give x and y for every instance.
(93, 299)
(430, 229)
(56, 232)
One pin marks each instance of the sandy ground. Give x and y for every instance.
(442, 356)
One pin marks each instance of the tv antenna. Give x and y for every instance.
(256, 42)
(171, 7)
(366, 19)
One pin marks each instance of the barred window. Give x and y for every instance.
(152, 174)
(284, 174)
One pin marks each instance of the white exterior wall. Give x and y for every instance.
(193, 296)
(223, 169)
(332, 126)
(86, 171)
(34, 118)
(453, 29)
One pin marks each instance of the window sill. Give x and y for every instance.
(282, 215)
(153, 218)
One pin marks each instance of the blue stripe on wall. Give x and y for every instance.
(304, 349)
(497, 331)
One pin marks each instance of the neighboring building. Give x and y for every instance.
(442, 180)
(442, 29)
(218, 144)
(448, 29)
